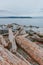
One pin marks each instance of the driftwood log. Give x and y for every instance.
(37, 38)
(4, 45)
(32, 49)
(12, 40)
(7, 58)
(19, 55)
(26, 60)
(39, 34)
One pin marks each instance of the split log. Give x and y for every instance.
(32, 49)
(12, 40)
(7, 58)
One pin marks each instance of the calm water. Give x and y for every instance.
(31, 21)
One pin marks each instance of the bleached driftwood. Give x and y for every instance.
(12, 40)
(7, 58)
(31, 48)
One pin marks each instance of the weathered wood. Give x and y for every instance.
(26, 56)
(25, 35)
(12, 40)
(3, 42)
(37, 38)
(21, 57)
(32, 49)
(7, 58)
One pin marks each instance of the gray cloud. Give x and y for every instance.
(20, 7)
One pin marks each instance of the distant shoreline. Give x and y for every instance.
(15, 17)
(23, 17)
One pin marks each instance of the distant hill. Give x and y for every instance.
(16, 17)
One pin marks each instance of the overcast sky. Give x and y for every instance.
(20, 7)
